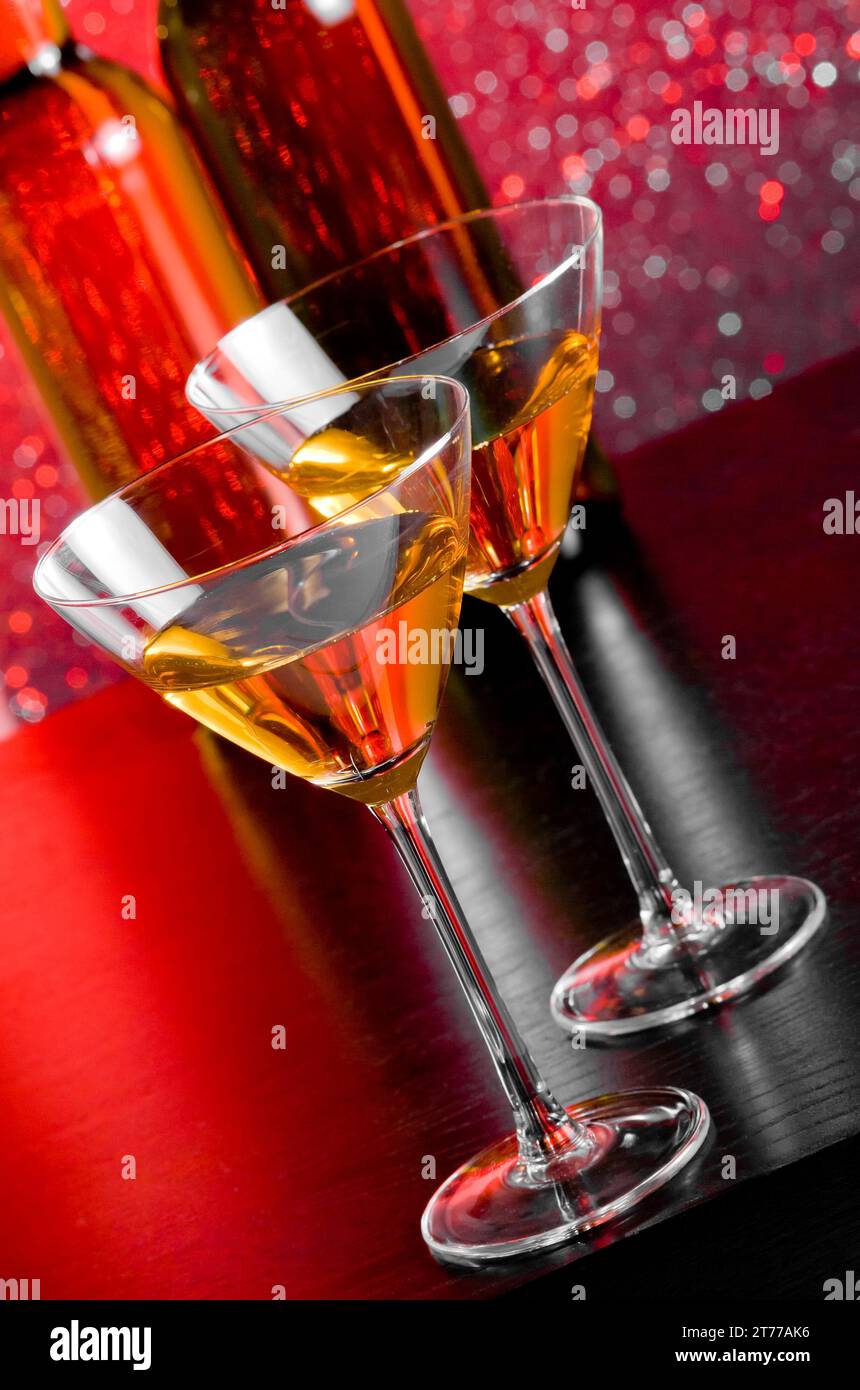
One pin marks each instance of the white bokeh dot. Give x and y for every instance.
(539, 137)
(486, 81)
(729, 324)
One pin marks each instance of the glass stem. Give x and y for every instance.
(544, 1129)
(649, 872)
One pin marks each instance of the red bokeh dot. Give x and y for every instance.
(804, 44)
(573, 166)
(76, 677)
(19, 621)
(638, 127)
(513, 186)
(23, 487)
(852, 47)
(46, 475)
(771, 191)
(704, 45)
(16, 676)
(774, 362)
(768, 212)
(672, 93)
(30, 698)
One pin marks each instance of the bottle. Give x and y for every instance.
(118, 268)
(327, 133)
(322, 123)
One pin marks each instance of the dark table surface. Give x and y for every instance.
(150, 1035)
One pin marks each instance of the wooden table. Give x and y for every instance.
(150, 1035)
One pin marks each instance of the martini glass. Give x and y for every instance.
(283, 646)
(508, 302)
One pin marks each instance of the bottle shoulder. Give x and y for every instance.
(75, 60)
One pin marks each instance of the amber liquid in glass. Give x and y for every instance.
(353, 712)
(531, 402)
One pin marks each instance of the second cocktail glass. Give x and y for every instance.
(508, 302)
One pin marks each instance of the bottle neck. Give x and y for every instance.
(30, 32)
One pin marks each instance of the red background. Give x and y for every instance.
(553, 98)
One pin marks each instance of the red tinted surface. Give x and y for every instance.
(157, 1024)
(151, 1036)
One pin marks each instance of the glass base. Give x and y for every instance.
(720, 952)
(494, 1208)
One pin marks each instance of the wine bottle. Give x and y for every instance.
(322, 124)
(118, 268)
(326, 131)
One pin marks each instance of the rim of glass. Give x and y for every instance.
(365, 387)
(559, 200)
